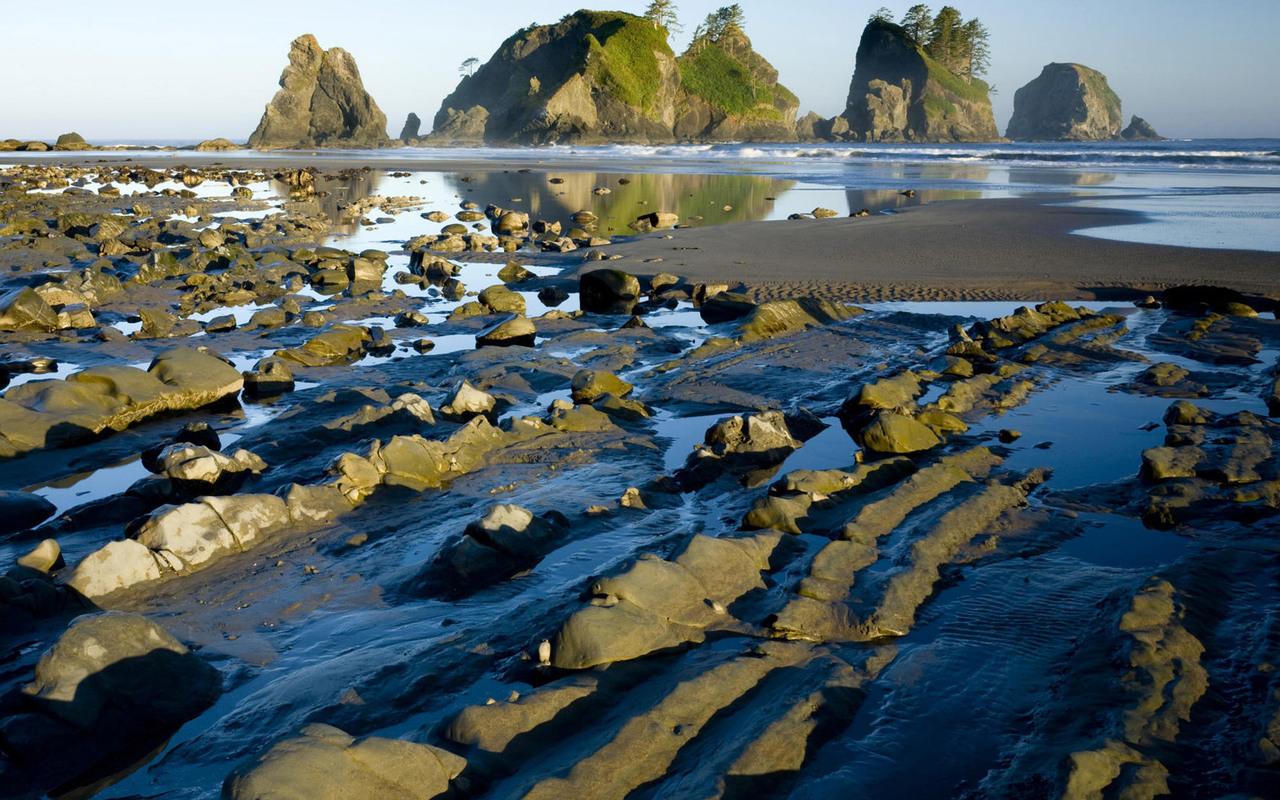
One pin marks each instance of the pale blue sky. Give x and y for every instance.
(151, 69)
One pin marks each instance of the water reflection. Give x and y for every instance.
(333, 194)
(707, 198)
(1060, 177)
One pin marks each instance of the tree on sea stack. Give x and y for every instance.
(720, 23)
(664, 13)
(468, 67)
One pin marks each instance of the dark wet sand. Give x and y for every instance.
(1018, 249)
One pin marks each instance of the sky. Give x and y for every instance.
(147, 69)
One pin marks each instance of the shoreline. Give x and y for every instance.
(1022, 248)
(993, 249)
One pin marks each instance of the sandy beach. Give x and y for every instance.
(1020, 249)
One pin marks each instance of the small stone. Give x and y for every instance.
(46, 557)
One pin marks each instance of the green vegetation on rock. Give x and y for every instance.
(612, 76)
(724, 82)
(622, 54)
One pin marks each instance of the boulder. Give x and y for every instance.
(890, 432)
(725, 307)
(338, 345)
(195, 469)
(659, 604)
(321, 103)
(498, 299)
(589, 385)
(324, 763)
(44, 557)
(467, 401)
(59, 413)
(608, 291)
(25, 310)
(114, 566)
(109, 673)
(514, 332)
(514, 273)
(71, 141)
(507, 540)
(217, 145)
(269, 377)
(21, 511)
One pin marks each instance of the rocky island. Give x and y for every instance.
(605, 76)
(1066, 102)
(1072, 102)
(321, 103)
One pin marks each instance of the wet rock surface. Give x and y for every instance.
(675, 541)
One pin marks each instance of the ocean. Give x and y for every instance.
(1217, 193)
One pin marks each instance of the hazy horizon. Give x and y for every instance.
(160, 72)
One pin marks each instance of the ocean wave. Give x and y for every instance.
(1171, 153)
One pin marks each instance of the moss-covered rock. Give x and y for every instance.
(595, 75)
(732, 93)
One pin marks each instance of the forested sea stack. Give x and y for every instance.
(1066, 102)
(731, 92)
(920, 82)
(594, 75)
(321, 103)
(608, 76)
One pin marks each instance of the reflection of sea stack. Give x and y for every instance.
(321, 103)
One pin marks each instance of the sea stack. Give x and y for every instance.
(321, 103)
(411, 129)
(593, 76)
(731, 93)
(899, 93)
(1140, 130)
(1066, 102)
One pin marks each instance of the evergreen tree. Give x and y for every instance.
(664, 13)
(945, 39)
(977, 40)
(729, 19)
(882, 14)
(918, 23)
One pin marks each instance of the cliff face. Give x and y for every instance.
(321, 103)
(1066, 102)
(732, 93)
(594, 76)
(899, 94)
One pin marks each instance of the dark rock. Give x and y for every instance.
(412, 128)
(20, 511)
(608, 291)
(1139, 130)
